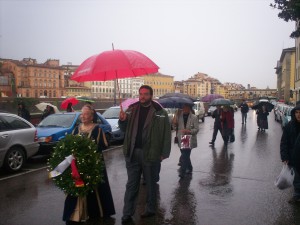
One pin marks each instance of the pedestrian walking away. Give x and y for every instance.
(227, 122)
(262, 118)
(99, 204)
(290, 150)
(217, 124)
(147, 142)
(244, 110)
(187, 129)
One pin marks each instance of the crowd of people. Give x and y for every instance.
(148, 142)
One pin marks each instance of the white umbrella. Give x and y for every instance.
(43, 105)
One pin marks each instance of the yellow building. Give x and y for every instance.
(27, 78)
(160, 83)
(285, 71)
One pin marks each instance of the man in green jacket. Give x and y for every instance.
(147, 142)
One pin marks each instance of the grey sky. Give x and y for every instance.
(232, 40)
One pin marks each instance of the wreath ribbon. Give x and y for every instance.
(61, 167)
(75, 175)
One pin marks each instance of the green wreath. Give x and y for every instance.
(89, 163)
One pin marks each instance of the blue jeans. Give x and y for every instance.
(185, 159)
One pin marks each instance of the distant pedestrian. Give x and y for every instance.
(48, 111)
(188, 127)
(290, 149)
(217, 124)
(262, 118)
(244, 110)
(69, 107)
(147, 142)
(23, 112)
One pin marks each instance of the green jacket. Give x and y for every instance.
(156, 133)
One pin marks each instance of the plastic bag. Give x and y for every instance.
(185, 142)
(285, 178)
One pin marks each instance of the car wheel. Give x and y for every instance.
(202, 119)
(14, 159)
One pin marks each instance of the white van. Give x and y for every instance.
(199, 110)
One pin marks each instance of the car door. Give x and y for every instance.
(5, 137)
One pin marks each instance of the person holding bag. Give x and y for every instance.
(290, 150)
(188, 127)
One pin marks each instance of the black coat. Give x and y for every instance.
(290, 141)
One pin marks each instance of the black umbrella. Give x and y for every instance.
(175, 102)
(221, 101)
(180, 95)
(269, 106)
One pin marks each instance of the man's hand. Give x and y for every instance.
(122, 116)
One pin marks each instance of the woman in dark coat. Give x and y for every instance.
(104, 206)
(290, 149)
(262, 118)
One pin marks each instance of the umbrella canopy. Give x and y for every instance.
(175, 102)
(43, 105)
(129, 101)
(211, 97)
(180, 95)
(115, 64)
(221, 101)
(85, 99)
(269, 106)
(65, 102)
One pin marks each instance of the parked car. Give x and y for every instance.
(286, 116)
(210, 110)
(112, 117)
(56, 126)
(279, 111)
(199, 110)
(18, 141)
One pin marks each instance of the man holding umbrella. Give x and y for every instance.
(147, 142)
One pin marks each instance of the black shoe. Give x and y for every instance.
(147, 214)
(212, 143)
(126, 219)
(179, 164)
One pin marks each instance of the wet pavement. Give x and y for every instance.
(228, 186)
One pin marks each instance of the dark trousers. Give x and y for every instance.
(185, 160)
(135, 167)
(296, 183)
(216, 129)
(244, 117)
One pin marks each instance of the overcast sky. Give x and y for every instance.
(232, 40)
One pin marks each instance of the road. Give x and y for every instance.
(228, 186)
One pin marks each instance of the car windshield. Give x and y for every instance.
(111, 113)
(58, 120)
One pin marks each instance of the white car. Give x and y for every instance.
(199, 110)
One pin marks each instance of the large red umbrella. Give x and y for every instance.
(114, 64)
(65, 102)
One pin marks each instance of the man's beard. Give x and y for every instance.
(146, 103)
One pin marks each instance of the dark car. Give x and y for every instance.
(112, 116)
(18, 141)
(56, 126)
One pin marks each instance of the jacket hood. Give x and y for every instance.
(297, 107)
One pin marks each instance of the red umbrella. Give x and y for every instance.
(115, 64)
(65, 102)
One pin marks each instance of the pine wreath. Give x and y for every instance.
(89, 163)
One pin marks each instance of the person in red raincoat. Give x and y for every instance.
(227, 122)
